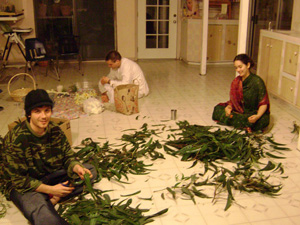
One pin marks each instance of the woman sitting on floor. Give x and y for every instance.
(248, 107)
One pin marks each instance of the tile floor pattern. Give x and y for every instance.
(175, 85)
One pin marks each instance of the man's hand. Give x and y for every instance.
(61, 190)
(104, 80)
(104, 97)
(81, 171)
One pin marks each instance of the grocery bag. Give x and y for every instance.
(126, 98)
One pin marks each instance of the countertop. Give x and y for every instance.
(285, 35)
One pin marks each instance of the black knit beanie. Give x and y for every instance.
(37, 98)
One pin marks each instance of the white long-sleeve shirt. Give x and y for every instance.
(129, 72)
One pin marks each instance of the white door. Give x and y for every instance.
(157, 29)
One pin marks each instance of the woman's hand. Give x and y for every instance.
(228, 110)
(253, 118)
(261, 110)
(81, 171)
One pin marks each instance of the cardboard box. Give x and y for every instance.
(64, 124)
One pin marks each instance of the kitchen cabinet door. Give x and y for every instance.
(274, 62)
(291, 59)
(298, 98)
(263, 62)
(214, 42)
(230, 45)
(287, 90)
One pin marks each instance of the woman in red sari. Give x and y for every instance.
(249, 106)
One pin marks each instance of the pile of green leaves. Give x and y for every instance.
(118, 161)
(101, 209)
(212, 147)
(3, 206)
(206, 145)
(3, 203)
(113, 162)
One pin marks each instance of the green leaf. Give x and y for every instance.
(270, 139)
(158, 213)
(75, 219)
(135, 193)
(274, 156)
(268, 167)
(228, 203)
(172, 192)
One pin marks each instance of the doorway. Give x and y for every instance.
(157, 29)
(95, 27)
(268, 14)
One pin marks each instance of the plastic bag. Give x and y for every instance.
(92, 106)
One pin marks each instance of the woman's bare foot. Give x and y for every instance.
(54, 200)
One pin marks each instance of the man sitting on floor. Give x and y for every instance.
(38, 163)
(122, 71)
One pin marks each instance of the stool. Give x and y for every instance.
(13, 36)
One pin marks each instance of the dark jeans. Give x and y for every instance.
(37, 207)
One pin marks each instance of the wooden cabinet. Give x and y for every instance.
(291, 58)
(278, 64)
(287, 90)
(214, 42)
(231, 39)
(221, 40)
(298, 99)
(269, 61)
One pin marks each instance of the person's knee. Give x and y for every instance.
(92, 169)
(218, 112)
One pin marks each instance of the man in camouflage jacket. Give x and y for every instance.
(38, 163)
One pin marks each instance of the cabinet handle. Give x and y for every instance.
(268, 45)
(295, 53)
(291, 89)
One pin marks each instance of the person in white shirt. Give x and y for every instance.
(122, 71)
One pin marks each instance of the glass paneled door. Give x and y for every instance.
(268, 14)
(157, 28)
(96, 28)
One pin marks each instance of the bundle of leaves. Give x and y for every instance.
(101, 209)
(3, 206)
(117, 162)
(208, 144)
(212, 146)
(3, 203)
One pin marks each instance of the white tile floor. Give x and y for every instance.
(176, 85)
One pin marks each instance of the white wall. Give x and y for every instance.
(127, 28)
(15, 55)
(296, 16)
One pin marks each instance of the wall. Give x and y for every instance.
(296, 16)
(15, 55)
(126, 26)
(126, 29)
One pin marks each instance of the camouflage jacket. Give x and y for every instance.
(26, 157)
